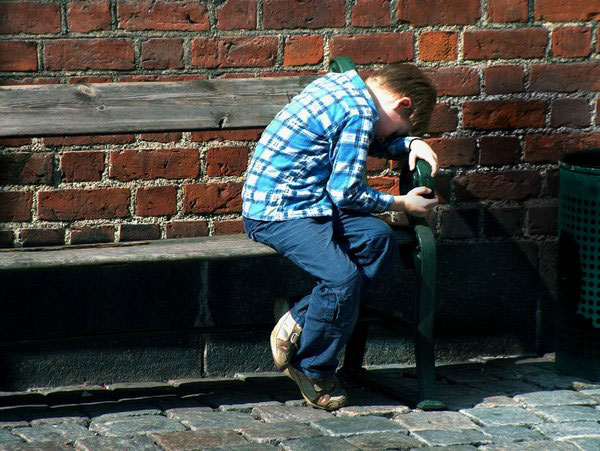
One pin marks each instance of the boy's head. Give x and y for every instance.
(405, 91)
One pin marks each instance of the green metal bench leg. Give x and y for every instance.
(425, 293)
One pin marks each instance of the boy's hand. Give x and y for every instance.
(420, 149)
(414, 203)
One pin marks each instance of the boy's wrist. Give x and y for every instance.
(398, 204)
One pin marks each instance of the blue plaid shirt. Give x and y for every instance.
(313, 154)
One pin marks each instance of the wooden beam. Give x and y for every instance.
(45, 110)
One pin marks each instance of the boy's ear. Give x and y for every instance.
(402, 102)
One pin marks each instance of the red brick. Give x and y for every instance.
(138, 78)
(29, 17)
(139, 232)
(86, 16)
(504, 114)
(247, 134)
(499, 150)
(570, 113)
(41, 237)
(503, 222)
(598, 111)
(26, 168)
(186, 229)
(443, 119)
(18, 56)
(258, 51)
(84, 54)
(228, 227)
(371, 13)
(550, 148)
(454, 151)
(89, 235)
(87, 140)
(213, 198)
(302, 50)
(572, 42)
(598, 40)
(454, 81)
(504, 79)
(561, 11)
(14, 142)
(460, 224)
(156, 201)
(222, 161)
(442, 188)
(82, 166)
(521, 43)
(236, 15)
(508, 10)
(161, 137)
(280, 14)
(162, 54)
(542, 219)
(507, 185)
(438, 46)
(391, 47)
(185, 15)
(15, 206)
(376, 164)
(390, 185)
(86, 80)
(439, 12)
(130, 165)
(565, 77)
(70, 205)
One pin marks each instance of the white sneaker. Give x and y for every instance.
(284, 337)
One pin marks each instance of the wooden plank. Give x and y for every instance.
(190, 249)
(97, 108)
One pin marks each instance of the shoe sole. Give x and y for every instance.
(296, 380)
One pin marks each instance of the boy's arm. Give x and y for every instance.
(414, 147)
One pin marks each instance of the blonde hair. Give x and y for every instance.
(408, 80)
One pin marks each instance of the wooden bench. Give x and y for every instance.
(58, 110)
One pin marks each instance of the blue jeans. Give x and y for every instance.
(346, 254)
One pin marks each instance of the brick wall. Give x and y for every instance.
(518, 83)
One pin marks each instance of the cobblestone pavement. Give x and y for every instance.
(493, 404)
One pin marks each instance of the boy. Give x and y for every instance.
(306, 197)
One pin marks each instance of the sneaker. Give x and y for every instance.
(284, 337)
(326, 394)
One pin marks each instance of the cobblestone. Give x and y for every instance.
(248, 447)
(563, 414)
(191, 440)
(384, 440)
(129, 427)
(65, 433)
(275, 414)
(555, 398)
(345, 427)
(276, 432)
(502, 435)
(216, 420)
(502, 416)
(379, 411)
(242, 402)
(115, 410)
(120, 443)
(8, 437)
(564, 431)
(586, 444)
(321, 443)
(453, 437)
(422, 421)
(45, 446)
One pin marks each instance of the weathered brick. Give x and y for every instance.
(503, 222)
(391, 47)
(132, 164)
(460, 224)
(560, 11)
(376, 164)
(213, 198)
(504, 114)
(572, 42)
(508, 185)
(598, 111)
(455, 151)
(443, 119)
(24, 168)
(85, 54)
(542, 219)
(14, 142)
(221, 161)
(7, 239)
(390, 185)
(41, 237)
(185, 15)
(504, 79)
(371, 13)
(161, 137)
(521, 43)
(439, 12)
(280, 14)
(15, 206)
(86, 16)
(228, 227)
(156, 201)
(236, 15)
(139, 232)
(248, 134)
(499, 150)
(454, 81)
(88, 235)
(60, 141)
(162, 54)
(29, 17)
(138, 78)
(303, 50)
(508, 10)
(89, 79)
(82, 166)
(438, 46)
(18, 56)
(186, 229)
(570, 113)
(565, 77)
(552, 183)
(257, 51)
(549, 148)
(70, 205)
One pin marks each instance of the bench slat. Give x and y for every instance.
(48, 110)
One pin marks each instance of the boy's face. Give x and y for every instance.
(394, 115)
